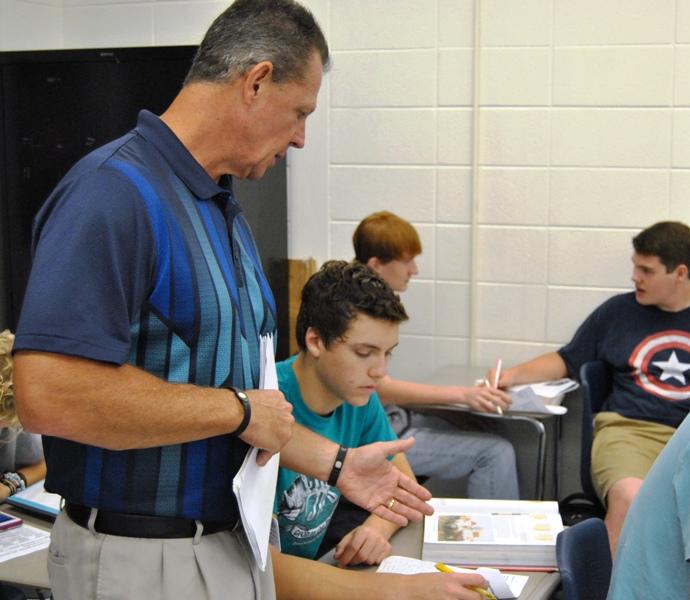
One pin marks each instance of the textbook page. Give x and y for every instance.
(22, 540)
(504, 586)
(255, 486)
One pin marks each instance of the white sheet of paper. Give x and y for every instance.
(503, 586)
(255, 486)
(525, 399)
(22, 540)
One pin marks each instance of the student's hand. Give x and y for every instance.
(506, 380)
(364, 544)
(484, 398)
(270, 426)
(4, 492)
(369, 480)
(435, 586)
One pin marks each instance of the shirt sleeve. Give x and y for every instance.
(92, 266)
(583, 347)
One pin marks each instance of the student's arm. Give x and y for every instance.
(367, 477)
(31, 474)
(299, 578)
(368, 543)
(406, 393)
(546, 367)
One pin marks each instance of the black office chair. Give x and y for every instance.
(584, 560)
(595, 380)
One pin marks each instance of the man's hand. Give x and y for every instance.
(270, 426)
(484, 398)
(369, 480)
(364, 544)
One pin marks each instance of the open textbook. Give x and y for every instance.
(503, 585)
(544, 397)
(36, 499)
(498, 533)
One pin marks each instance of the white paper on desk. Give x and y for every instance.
(525, 399)
(503, 586)
(255, 486)
(22, 540)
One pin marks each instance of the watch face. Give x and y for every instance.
(242, 395)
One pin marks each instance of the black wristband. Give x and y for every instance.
(337, 466)
(244, 401)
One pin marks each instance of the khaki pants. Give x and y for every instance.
(86, 566)
(623, 448)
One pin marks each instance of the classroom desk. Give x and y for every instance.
(30, 570)
(408, 542)
(467, 375)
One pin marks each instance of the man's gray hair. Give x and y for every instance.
(250, 31)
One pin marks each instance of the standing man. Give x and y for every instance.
(643, 337)
(142, 322)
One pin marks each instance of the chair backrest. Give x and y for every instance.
(596, 381)
(584, 560)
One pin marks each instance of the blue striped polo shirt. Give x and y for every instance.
(139, 257)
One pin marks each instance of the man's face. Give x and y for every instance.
(654, 286)
(397, 272)
(350, 368)
(279, 119)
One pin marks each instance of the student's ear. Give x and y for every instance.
(256, 77)
(313, 342)
(374, 264)
(682, 271)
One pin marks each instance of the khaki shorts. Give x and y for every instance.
(624, 447)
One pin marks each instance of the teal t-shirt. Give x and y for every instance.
(305, 505)
(653, 553)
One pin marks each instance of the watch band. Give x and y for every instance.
(244, 401)
(337, 466)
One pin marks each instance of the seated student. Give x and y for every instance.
(644, 338)
(347, 327)
(653, 557)
(389, 244)
(21, 453)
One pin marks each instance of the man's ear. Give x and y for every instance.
(256, 77)
(313, 342)
(682, 271)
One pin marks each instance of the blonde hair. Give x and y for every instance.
(8, 414)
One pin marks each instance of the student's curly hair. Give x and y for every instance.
(337, 293)
(8, 414)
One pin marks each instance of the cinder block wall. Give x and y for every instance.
(528, 140)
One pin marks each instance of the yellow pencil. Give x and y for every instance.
(481, 591)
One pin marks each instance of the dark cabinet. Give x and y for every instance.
(57, 105)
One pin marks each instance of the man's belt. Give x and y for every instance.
(143, 526)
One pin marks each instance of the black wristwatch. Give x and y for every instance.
(244, 401)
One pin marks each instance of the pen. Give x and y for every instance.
(481, 591)
(497, 377)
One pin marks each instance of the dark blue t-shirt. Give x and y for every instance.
(141, 258)
(648, 352)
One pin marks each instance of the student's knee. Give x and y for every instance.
(501, 450)
(622, 493)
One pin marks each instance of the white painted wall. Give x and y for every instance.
(582, 125)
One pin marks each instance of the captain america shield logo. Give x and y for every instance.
(661, 364)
